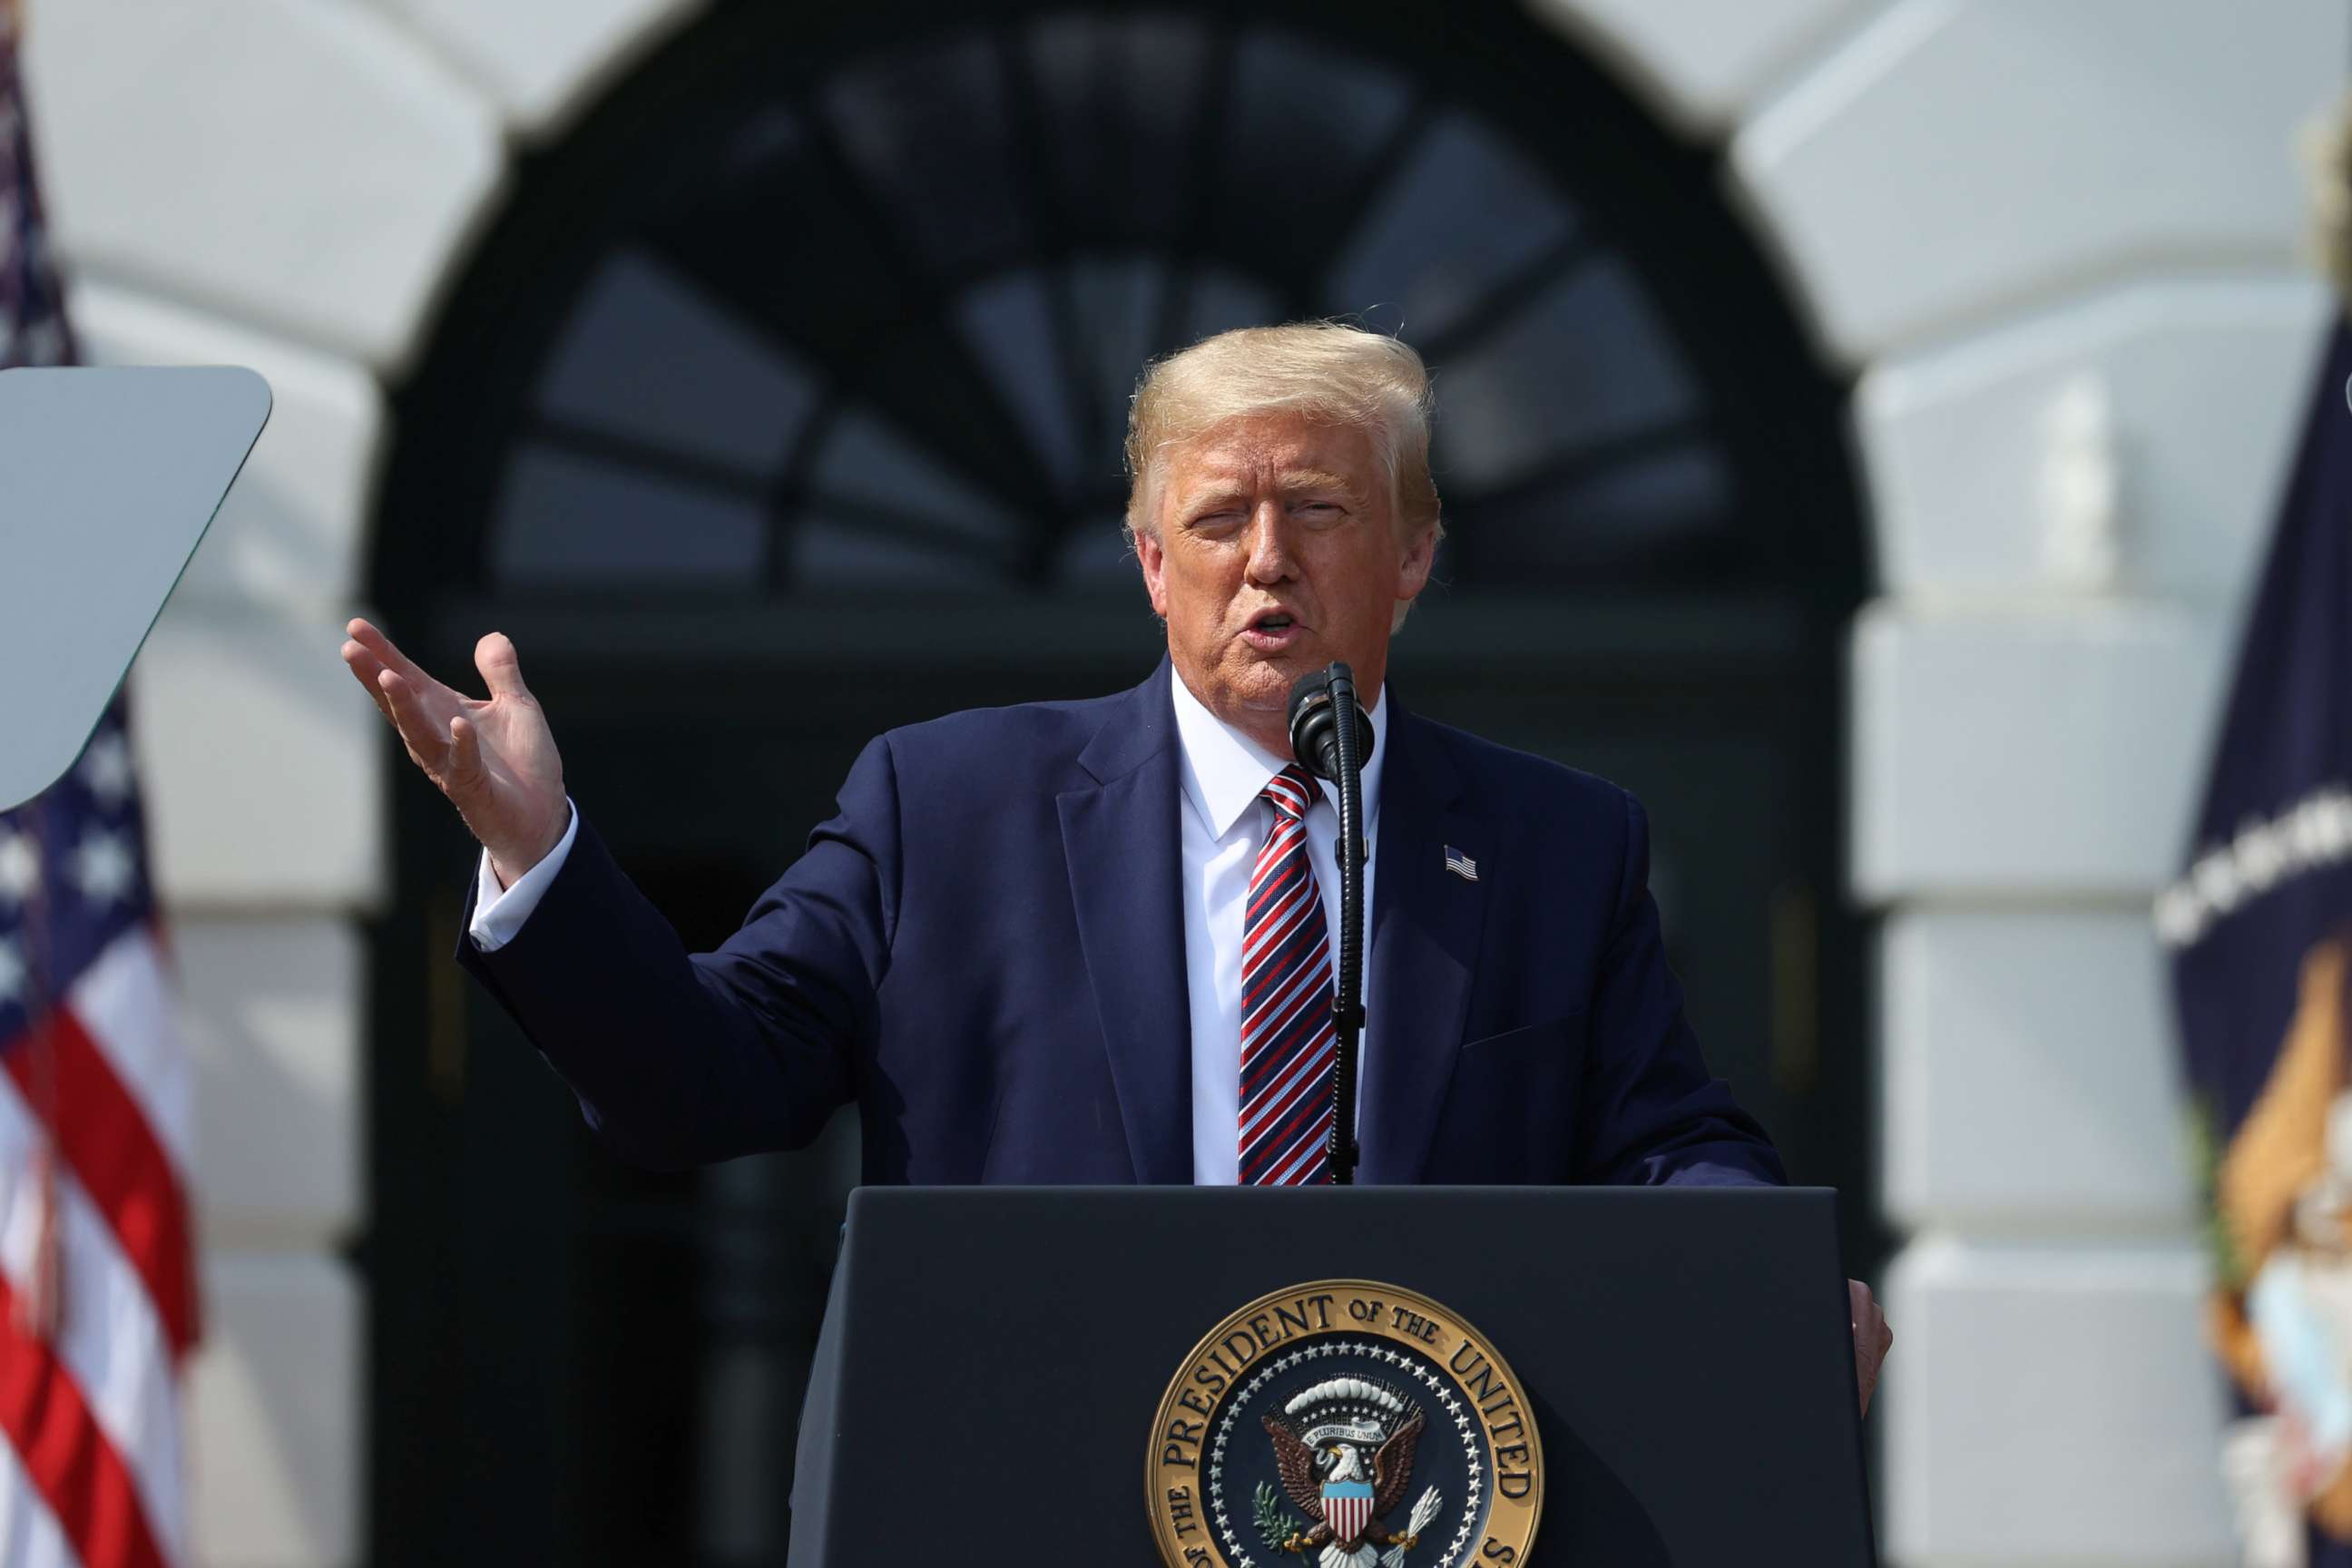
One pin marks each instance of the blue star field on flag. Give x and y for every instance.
(77, 854)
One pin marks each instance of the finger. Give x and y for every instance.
(365, 668)
(387, 653)
(465, 757)
(500, 666)
(425, 741)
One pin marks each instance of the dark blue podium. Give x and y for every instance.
(993, 1362)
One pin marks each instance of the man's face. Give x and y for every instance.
(1277, 551)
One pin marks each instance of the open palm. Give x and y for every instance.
(495, 758)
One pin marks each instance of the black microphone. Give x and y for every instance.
(1335, 750)
(1314, 729)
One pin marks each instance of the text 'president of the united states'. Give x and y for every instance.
(1091, 941)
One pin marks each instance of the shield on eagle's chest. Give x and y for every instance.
(1348, 1510)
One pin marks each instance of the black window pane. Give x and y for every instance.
(1096, 556)
(867, 463)
(1118, 101)
(1308, 128)
(1652, 513)
(1463, 215)
(1585, 362)
(1118, 303)
(926, 130)
(651, 357)
(1222, 301)
(566, 520)
(855, 552)
(1010, 324)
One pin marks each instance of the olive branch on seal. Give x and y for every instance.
(1280, 1531)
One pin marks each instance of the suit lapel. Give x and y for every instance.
(1426, 923)
(1122, 837)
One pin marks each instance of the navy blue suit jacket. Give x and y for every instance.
(984, 950)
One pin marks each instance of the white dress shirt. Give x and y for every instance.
(1223, 822)
(498, 909)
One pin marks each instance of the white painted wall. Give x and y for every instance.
(1953, 165)
(1992, 211)
(311, 168)
(1999, 214)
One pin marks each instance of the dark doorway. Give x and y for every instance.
(783, 405)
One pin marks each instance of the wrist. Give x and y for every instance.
(510, 865)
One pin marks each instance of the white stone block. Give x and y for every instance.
(309, 167)
(275, 1406)
(2208, 382)
(271, 1009)
(2030, 1072)
(2050, 1404)
(544, 58)
(261, 761)
(294, 525)
(1701, 61)
(2035, 753)
(1951, 159)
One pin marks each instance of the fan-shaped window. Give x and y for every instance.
(879, 327)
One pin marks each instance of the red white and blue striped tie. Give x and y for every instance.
(1289, 1043)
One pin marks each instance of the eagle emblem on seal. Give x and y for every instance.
(1344, 1450)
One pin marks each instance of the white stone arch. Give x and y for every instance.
(2057, 247)
(2053, 246)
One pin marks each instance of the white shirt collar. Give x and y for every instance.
(1225, 771)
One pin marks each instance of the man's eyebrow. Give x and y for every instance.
(1220, 490)
(1207, 492)
(1316, 480)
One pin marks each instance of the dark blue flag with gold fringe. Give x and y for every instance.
(2259, 928)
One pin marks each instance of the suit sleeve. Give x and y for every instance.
(1651, 1113)
(678, 1058)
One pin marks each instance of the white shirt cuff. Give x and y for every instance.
(498, 913)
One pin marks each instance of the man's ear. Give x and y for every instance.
(1155, 569)
(1419, 557)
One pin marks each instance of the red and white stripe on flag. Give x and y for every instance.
(92, 1412)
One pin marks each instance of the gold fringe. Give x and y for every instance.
(2332, 1510)
(2281, 1148)
(2234, 1345)
(2326, 144)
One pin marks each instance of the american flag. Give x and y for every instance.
(97, 1296)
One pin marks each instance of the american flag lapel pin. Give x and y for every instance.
(1461, 865)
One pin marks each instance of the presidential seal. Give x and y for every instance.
(1344, 1424)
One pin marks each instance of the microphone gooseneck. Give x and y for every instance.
(1335, 749)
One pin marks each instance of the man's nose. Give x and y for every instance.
(1269, 555)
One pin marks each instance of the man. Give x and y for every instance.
(1089, 942)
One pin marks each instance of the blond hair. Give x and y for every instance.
(1326, 370)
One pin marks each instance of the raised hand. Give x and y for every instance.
(494, 759)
